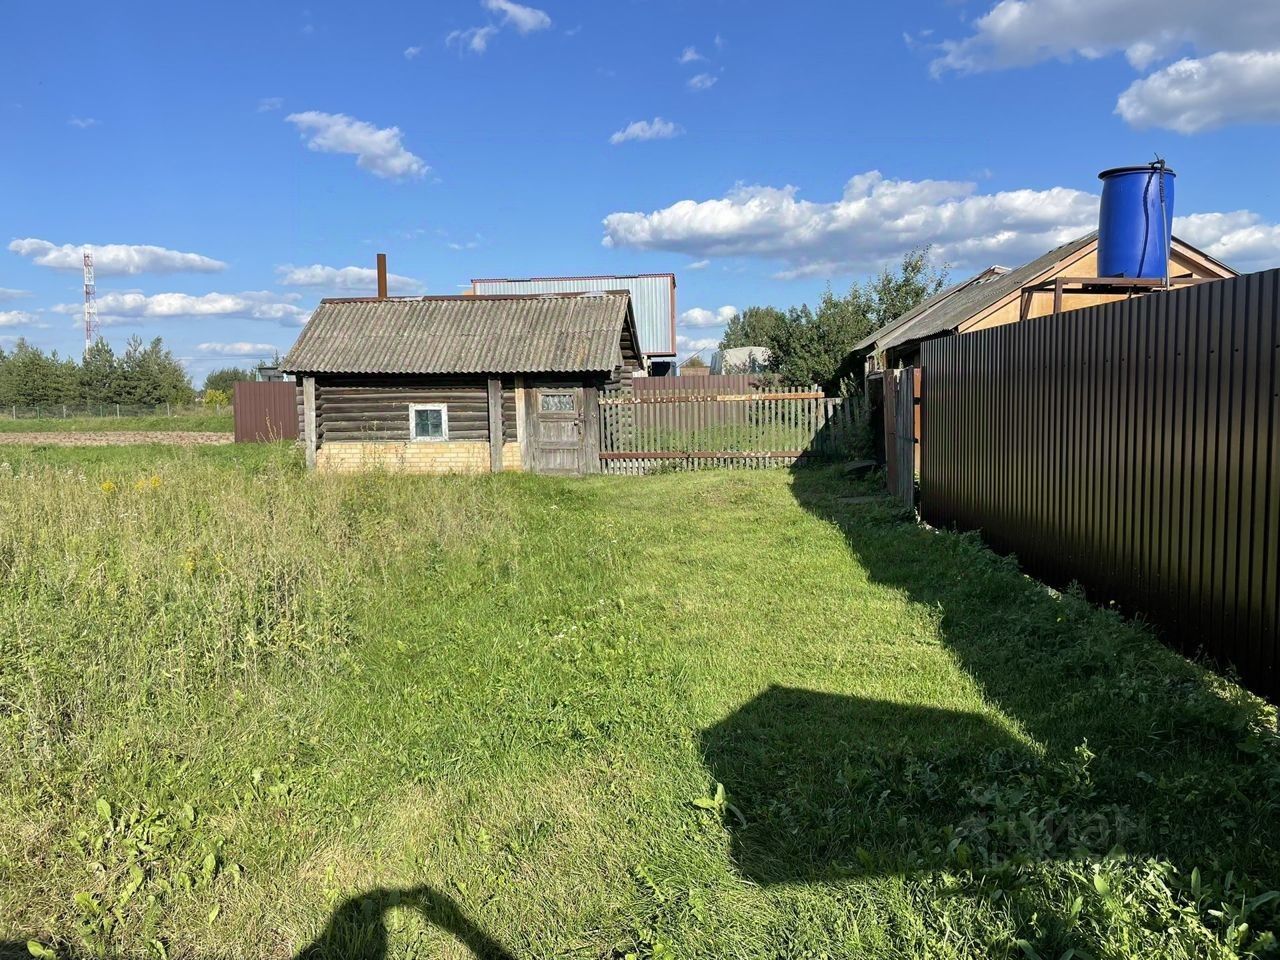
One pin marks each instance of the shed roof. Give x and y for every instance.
(880, 333)
(544, 333)
(949, 309)
(966, 299)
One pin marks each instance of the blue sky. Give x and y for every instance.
(230, 163)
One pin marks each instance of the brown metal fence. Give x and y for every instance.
(640, 433)
(902, 432)
(265, 411)
(1132, 447)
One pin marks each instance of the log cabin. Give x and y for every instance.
(461, 384)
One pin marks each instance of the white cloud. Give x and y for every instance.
(876, 221)
(8, 293)
(702, 81)
(16, 318)
(720, 42)
(873, 223)
(378, 150)
(465, 244)
(687, 345)
(359, 279)
(1017, 33)
(1193, 95)
(475, 39)
(655, 129)
(84, 123)
(240, 348)
(698, 265)
(411, 52)
(1239, 239)
(521, 18)
(267, 104)
(690, 55)
(113, 259)
(524, 19)
(701, 317)
(114, 308)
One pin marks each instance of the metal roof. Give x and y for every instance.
(653, 298)
(548, 333)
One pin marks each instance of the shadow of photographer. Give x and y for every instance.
(357, 928)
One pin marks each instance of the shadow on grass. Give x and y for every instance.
(357, 928)
(1136, 750)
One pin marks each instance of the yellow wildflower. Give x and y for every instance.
(108, 486)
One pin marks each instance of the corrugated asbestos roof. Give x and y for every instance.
(974, 298)
(953, 306)
(872, 338)
(570, 333)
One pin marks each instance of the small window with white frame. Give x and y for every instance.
(429, 421)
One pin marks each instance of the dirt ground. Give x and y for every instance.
(117, 438)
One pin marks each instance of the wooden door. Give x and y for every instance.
(563, 427)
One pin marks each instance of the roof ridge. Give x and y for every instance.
(479, 297)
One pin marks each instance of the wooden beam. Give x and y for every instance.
(495, 425)
(522, 429)
(703, 455)
(678, 398)
(309, 419)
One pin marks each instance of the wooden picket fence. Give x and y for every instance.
(643, 432)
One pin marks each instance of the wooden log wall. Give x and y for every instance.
(377, 408)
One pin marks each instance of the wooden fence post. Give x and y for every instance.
(309, 418)
(495, 425)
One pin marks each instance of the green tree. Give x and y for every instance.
(808, 347)
(151, 375)
(216, 398)
(894, 292)
(225, 379)
(753, 327)
(30, 377)
(99, 375)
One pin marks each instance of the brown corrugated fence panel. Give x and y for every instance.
(265, 411)
(1131, 447)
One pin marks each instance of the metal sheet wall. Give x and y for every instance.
(265, 411)
(653, 300)
(1132, 447)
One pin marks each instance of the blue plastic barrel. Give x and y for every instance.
(1135, 222)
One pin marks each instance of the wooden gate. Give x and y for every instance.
(265, 411)
(562, 420)
(902, 431)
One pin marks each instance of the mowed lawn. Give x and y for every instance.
(247, 712)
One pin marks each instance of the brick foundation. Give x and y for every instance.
(409, 456)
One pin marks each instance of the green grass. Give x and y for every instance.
(132, 458)
(200, 421)
(244, 709)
